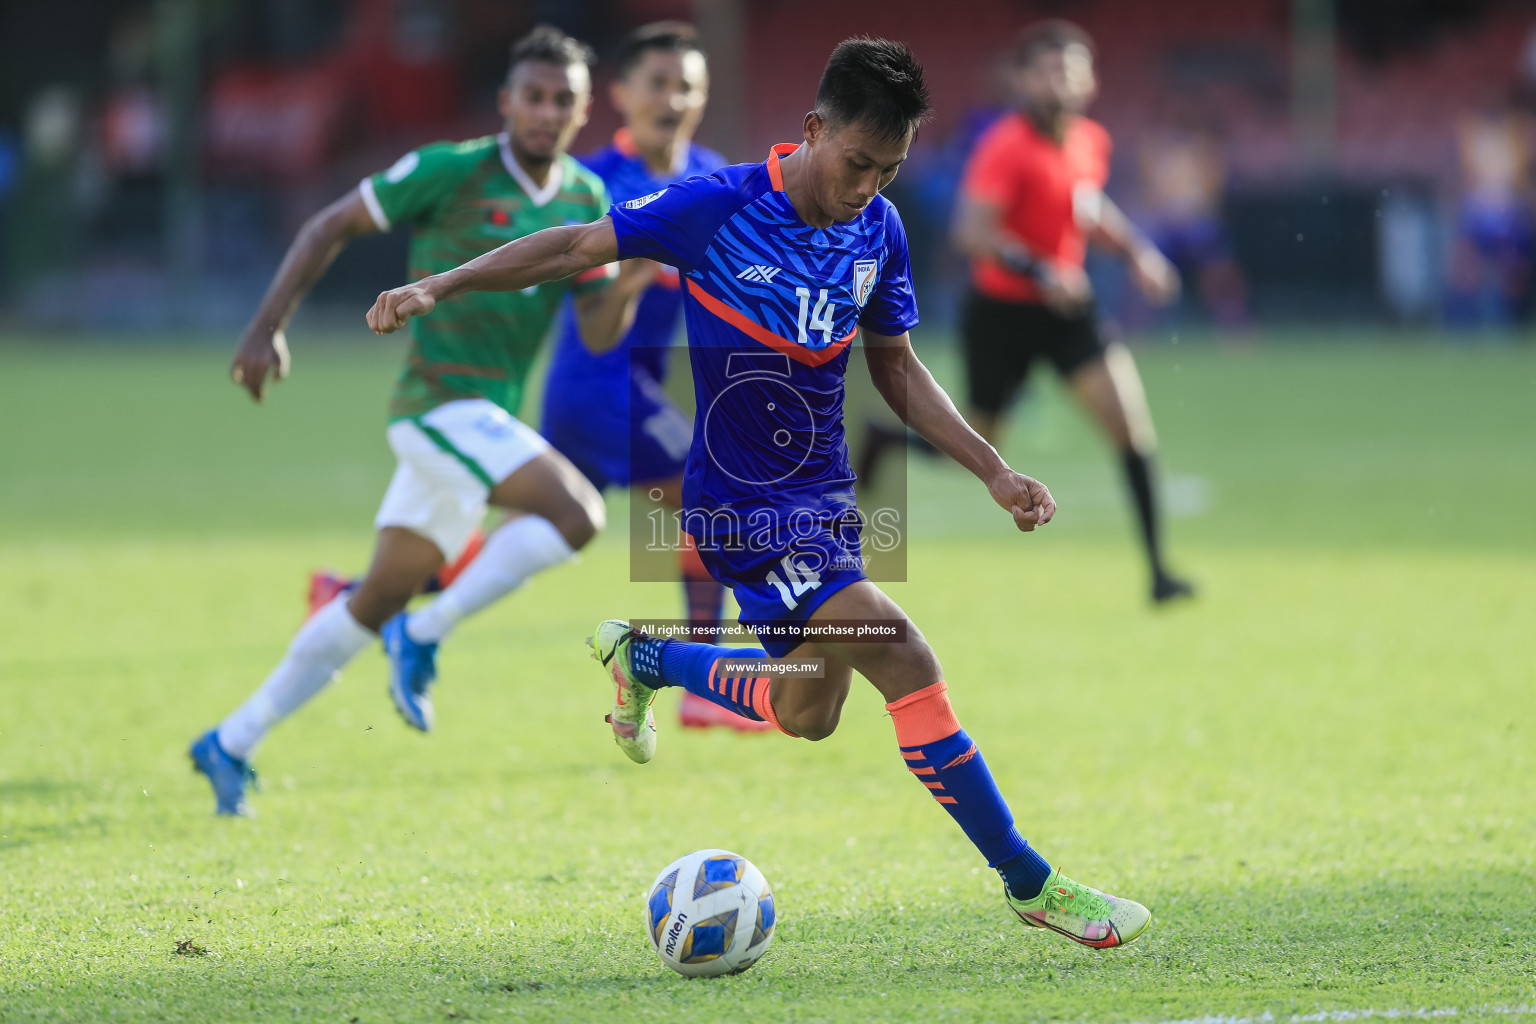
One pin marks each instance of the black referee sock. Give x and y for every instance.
(1138, 474)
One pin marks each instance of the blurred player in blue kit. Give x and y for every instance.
(609, 413)
(783, 263)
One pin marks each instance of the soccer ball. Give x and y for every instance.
(710, 913)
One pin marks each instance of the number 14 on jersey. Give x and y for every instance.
(820, 318)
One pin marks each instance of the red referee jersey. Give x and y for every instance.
(1036, 183)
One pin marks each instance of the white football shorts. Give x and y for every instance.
(448, 461)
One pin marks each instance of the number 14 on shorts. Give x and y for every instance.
(801, 578)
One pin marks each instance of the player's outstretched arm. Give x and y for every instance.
(979, 232)
(548, 255)
(263, 347)
(1155, 277)
(912, 393)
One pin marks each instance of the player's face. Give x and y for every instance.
(545, 105)
(1056, 82)
(662, 98)
(849, 165)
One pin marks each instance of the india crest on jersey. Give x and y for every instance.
(864, 274)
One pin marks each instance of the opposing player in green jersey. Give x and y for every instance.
(453, 424)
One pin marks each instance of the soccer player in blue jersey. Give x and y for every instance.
(609, 413)
(783, 263)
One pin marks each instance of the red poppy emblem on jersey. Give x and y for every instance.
(500, 218)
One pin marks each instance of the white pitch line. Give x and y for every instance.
(1321, 1016)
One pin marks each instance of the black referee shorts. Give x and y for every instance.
(1003, 339)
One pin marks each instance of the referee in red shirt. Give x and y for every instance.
(1031, 200)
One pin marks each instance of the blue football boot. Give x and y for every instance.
(412, 671)
(228, 775)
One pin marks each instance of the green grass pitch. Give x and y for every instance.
(1321, 776)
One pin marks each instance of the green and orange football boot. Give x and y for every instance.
(1082, 914)
(634, 726)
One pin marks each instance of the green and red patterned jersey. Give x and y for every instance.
(461, 200)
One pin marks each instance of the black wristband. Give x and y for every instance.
(1019, 260)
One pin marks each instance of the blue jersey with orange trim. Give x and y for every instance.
(628, 176)
(771, 306)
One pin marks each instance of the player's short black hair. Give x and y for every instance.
(668, 36)
(551, 46)
(1054, 34)
(875, 83)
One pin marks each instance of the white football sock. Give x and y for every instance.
(319, 650)
(514, 552)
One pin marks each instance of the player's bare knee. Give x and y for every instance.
(382, 595)
(372, 607)
(582, 515)
(581, 521)
(597, 513)
(817, 724)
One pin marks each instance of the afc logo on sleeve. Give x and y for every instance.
(402, 168)
(864, 274)
(635, 204)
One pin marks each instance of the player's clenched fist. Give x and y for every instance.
(261, 352)
(393, 308)
(1155, 277)
(1025, 497)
